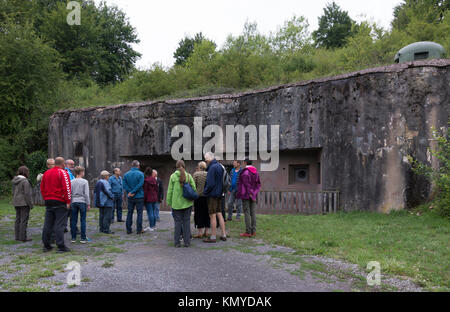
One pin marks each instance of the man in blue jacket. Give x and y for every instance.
(232, 192)
(116, 182)
(213, 191)
(133, 182)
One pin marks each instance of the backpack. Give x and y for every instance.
(226, 180)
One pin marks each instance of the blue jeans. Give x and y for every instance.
(231, 200)
(75, 209)
(139, 204)
(157, 204)
(151, 213)
(117, 206)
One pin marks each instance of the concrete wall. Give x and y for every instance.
(364, 124)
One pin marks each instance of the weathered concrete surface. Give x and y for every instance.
(365, 123)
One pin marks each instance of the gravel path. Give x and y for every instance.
(221, 267)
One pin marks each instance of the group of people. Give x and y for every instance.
(66, 196)
(209, 181)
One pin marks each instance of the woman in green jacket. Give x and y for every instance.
(181, 207)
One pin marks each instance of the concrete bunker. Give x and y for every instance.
(348, 134)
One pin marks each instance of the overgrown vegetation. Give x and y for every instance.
(47, 65)
(440, 177)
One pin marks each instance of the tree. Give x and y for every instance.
(335, 27)
(99, 48)
(429, 11)
(293, 36)
(186, 48)
(30, 74)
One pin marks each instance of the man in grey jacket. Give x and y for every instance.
(22, 201)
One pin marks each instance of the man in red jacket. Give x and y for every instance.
(56, 191)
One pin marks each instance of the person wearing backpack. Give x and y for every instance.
(214, 189)
(181, 182)
(248, 188)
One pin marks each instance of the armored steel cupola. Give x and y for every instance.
(420, 51)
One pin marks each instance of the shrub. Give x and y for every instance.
(440, 177)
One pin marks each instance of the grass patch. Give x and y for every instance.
(406, 245)
(108, 264)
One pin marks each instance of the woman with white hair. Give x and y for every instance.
(104, 200)
(201, 215)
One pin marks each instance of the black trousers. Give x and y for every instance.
(55, 221)
(22, 216)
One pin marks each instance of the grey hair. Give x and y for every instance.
(135, 163)
(209, 156)
(104, 174)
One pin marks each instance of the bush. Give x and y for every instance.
(36, 163)
(440, 177)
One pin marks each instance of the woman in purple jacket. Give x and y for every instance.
(150, 198)
(248, 188)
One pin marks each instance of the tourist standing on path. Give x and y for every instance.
(181, 207)
(70, 165)
(104, 201)
(150, 197)
(80, 205)
(248, 189)
(160, 194)
(201, 215)
(133, 184)
(50, 165)
(214, 190)
(116, 183)
(56, 191)
(22, 202)
(232, 192)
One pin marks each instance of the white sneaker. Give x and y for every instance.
(151, 229)
(146, 229)
(154, 228)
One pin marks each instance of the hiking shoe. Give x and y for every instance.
(253, 234)
(120, 221)
(187, 245)
(84, 241)
(129, 233)
(177, 245)
(63, 249)
(245, 235)
(209, 240)
(223, 238)
(230, 219)
(47, 248)
(141, 232)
